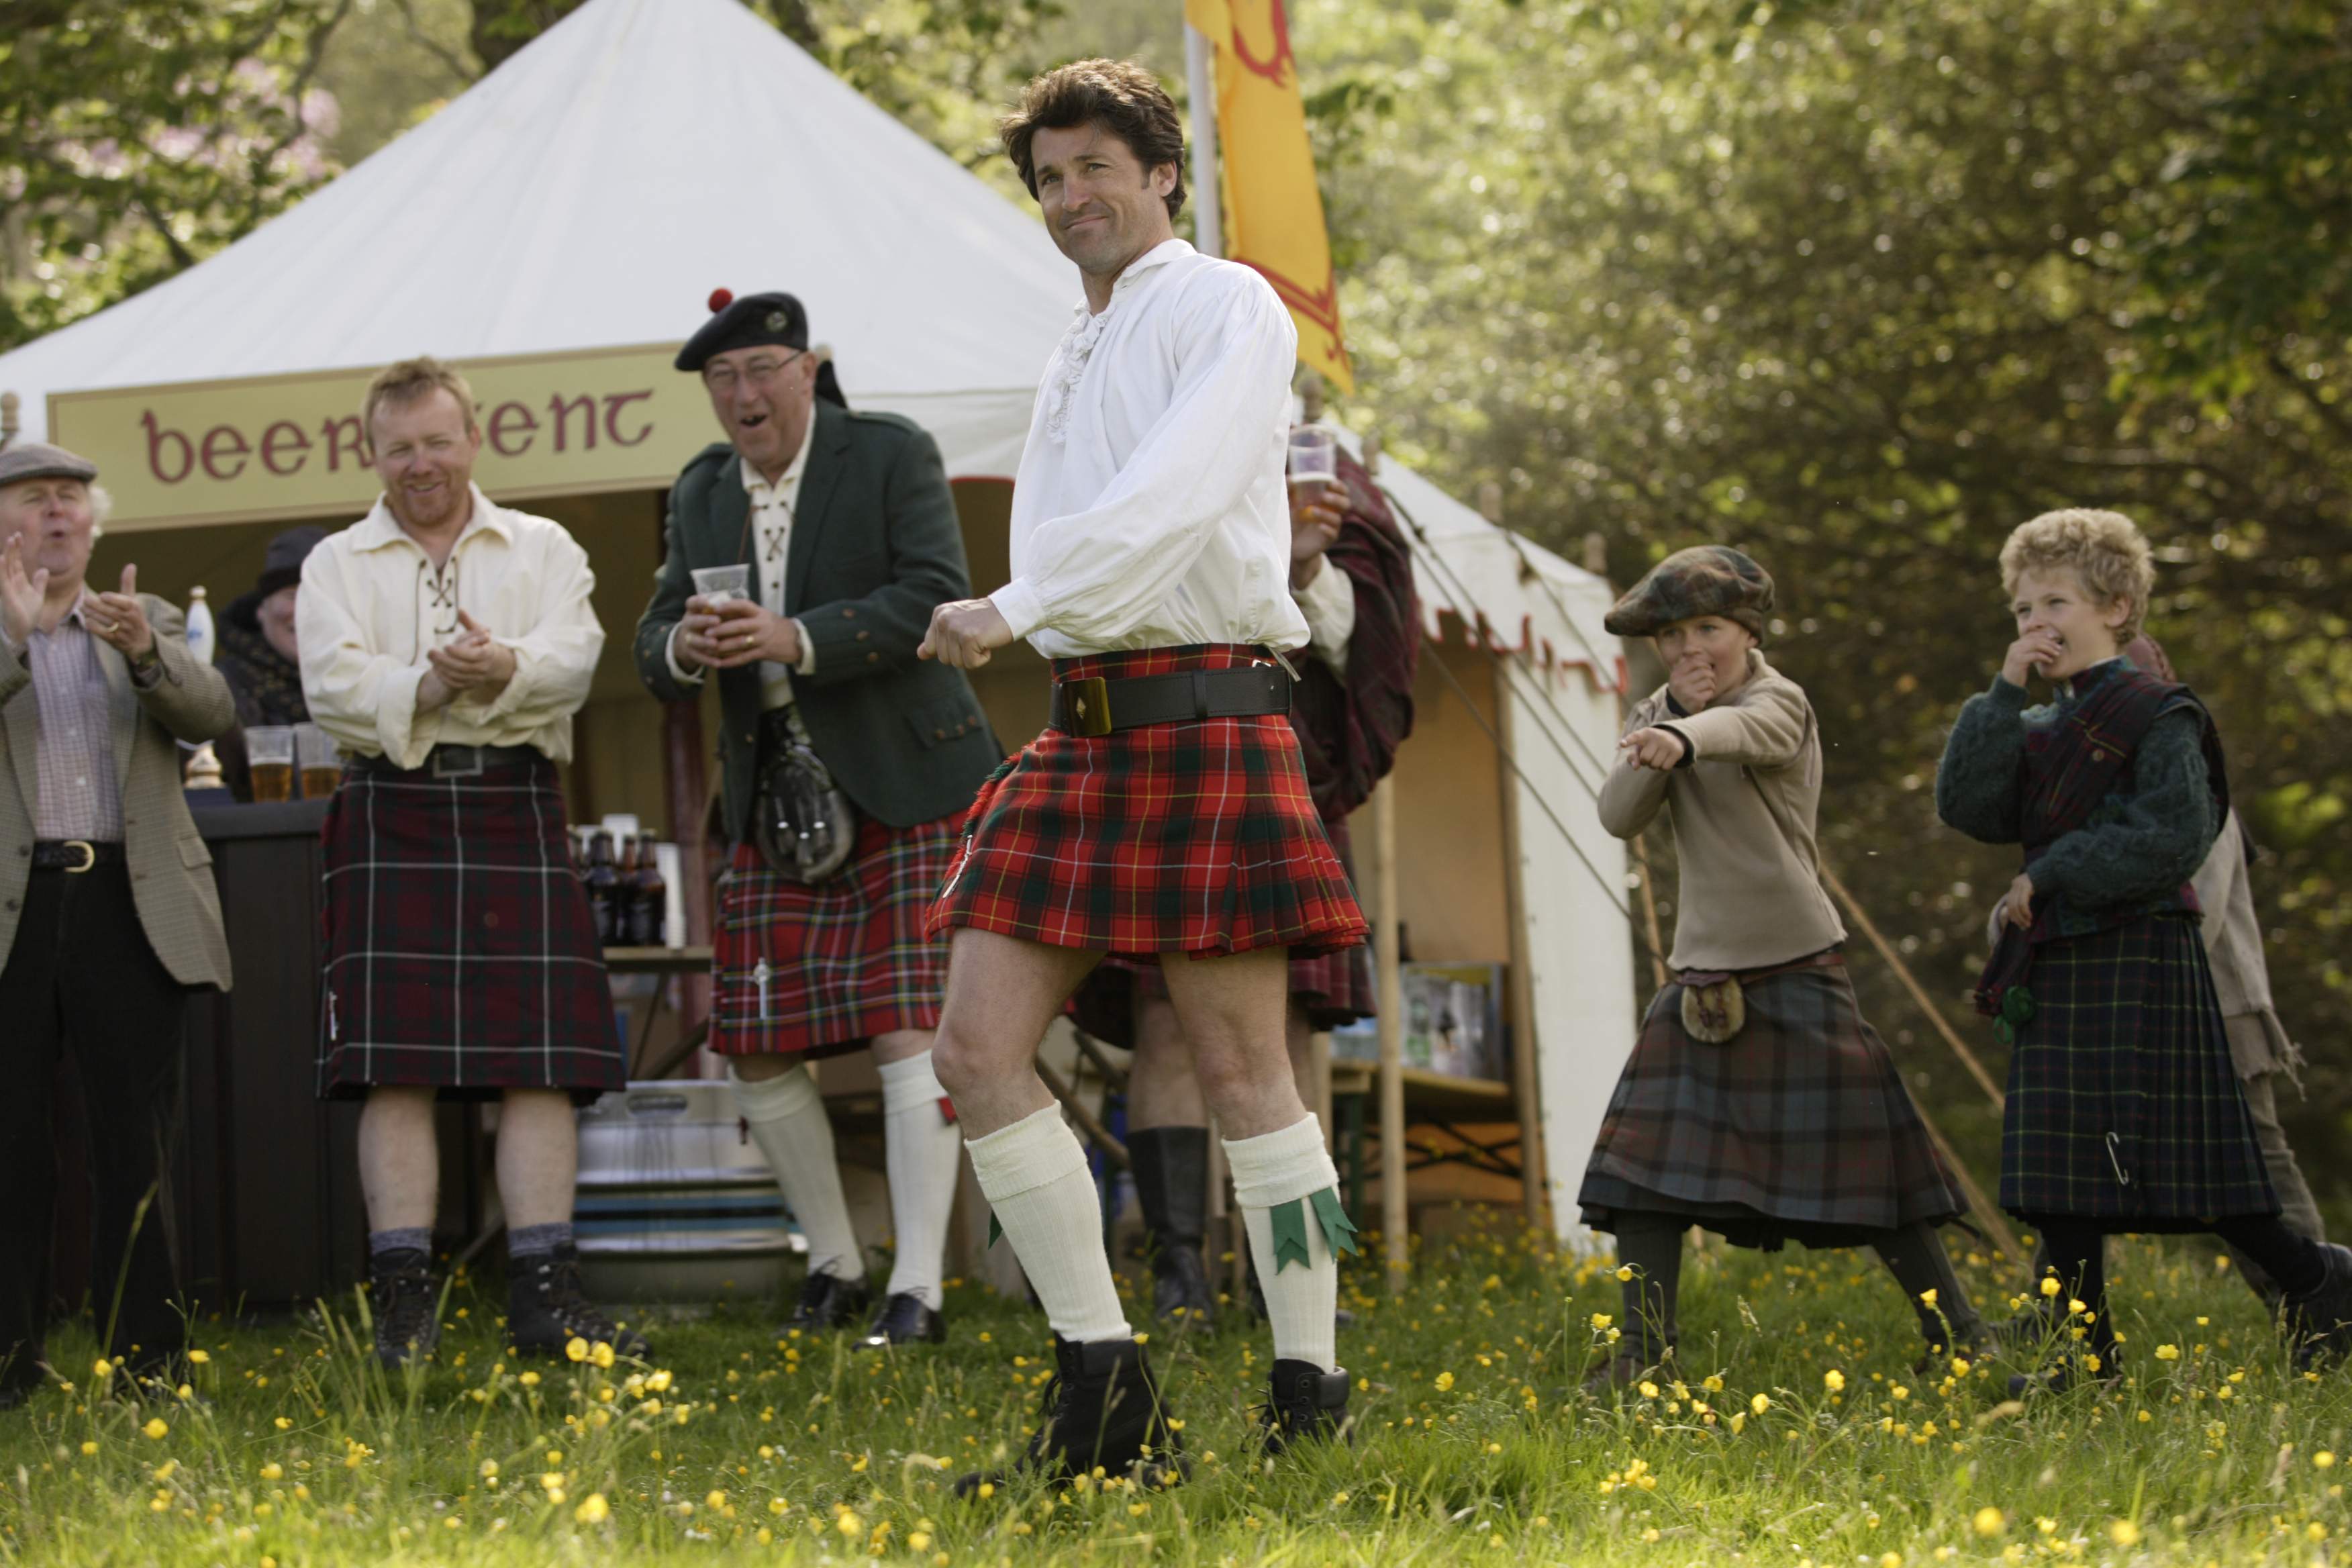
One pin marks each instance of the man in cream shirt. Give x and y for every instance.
(445, 644)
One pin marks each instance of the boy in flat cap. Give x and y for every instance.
(1756, 1103)
(846, 764)
(1165, 813)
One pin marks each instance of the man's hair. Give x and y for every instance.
(2105, 550)
(404, 382)
(1118, 95)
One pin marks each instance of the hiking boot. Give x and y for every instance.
(827, 1302)
(1171, 1165)
(547, 1309)
(905, 1320)
(1101, 1411)
(406, 1301)
(1303, 1404)
(2320, 1318)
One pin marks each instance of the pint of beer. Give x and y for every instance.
(321, 762)
(269, 751)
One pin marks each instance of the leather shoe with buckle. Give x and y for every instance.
(905, 1320)
(826, 1303)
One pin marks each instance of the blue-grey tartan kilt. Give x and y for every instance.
(2122, 1105)
(1798, 1128)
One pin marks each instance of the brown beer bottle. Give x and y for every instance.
(653, 896)
(602, 882)
(624, 893)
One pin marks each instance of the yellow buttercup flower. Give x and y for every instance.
(2050, 1287)
(156, 1427)
(2124, 1533)
(2324, 1460)
(593, 1509)
(1990, 1521)
(1444, 1381)
(1760, 1404)
(1623, 1275)
(1833, 1380)
(2168, 1353)
(199, 1357)
(601, 1353)
(575, 1348)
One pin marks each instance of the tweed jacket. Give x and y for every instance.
(874, 547)
(171, 868)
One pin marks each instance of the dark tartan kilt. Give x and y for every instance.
(2126, 1039)
(461, 952)
(1798, 1128)
(847, 959)
(1196, 837)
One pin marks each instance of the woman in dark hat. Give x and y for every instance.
(1757, 1101)
(258, 652)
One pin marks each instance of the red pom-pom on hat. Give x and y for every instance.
(721, 299)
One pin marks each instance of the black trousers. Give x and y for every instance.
(82, 978)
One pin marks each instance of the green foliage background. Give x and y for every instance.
(1857, 285)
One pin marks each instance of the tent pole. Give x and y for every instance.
(1201, 87)
(1526, 1086)
(1395, 1218)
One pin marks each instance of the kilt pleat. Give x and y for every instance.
(1196, 837)
(461, 952)
(2123, 1104)
(1797, 1128)
(846, 959)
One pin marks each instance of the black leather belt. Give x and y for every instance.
(74, 855)
(454, 762)
(1095, 706)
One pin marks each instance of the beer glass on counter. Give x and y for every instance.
(270, 755)
(320, 760)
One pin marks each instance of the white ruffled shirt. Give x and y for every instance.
(1149, 509)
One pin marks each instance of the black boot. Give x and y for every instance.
(2320, 1318)
(905, 1320)
(1171, 1185)
(826, 1303)
(1303, 1404)
(547, 1309)
(405, 1301)
(1102, 1411)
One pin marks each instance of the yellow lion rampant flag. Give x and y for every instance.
(1273, 214)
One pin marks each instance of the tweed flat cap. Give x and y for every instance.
(40, 460)
(1706, 580)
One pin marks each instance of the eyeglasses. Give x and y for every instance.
(758, 371)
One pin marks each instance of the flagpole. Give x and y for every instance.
(1200, 84)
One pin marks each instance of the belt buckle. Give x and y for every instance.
(442, 762)
(1087, 702)
(88, 855)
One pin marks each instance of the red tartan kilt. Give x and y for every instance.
(847, 959)
(461, 952)
(1196, 837)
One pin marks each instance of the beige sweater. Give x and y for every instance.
(1750, 893)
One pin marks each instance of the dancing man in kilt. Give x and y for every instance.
(847, 763)
(445, 644)
(1164, 813)
(1756, 1103)
(1352, 576)
(2124, 1111)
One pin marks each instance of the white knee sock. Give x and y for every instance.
(920, 1148)
(1302, 1299)
(787, 1117)
(1035, 1175)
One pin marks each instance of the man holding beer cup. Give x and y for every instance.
(445, 643)
(107, 913)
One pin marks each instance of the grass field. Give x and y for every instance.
(1799, 1436)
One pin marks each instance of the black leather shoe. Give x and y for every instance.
(827, 1303)
(905, 1320)
(1102, 1411)
(405, 1301)
(1305, 1403)
(547, 1309)
(2320, 1318)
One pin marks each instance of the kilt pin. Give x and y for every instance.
(1799, 1129)
(461, 952)
(817, 971)
(1197, 836)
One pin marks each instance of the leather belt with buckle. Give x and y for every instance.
(1094, 706)
(452, 761)
(74, 856)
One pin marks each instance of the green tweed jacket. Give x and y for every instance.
(874, 547)
(171, 868)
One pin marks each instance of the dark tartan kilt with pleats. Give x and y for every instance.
(2123, 1104)
(1197, 836)
(846, 959)
(461, 952)
(1797, 1128)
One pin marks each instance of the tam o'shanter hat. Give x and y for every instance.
(1706, 580)
(750, 321)
(40, 460)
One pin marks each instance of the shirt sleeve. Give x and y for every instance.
(1100, 572)
(1631, 795)
(365, 699)
(555, 658)
(1765, 728)
(1329, 603)
(1976, 783)
(678, 671)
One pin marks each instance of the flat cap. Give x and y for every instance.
(40, 460)
(1706, 580)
